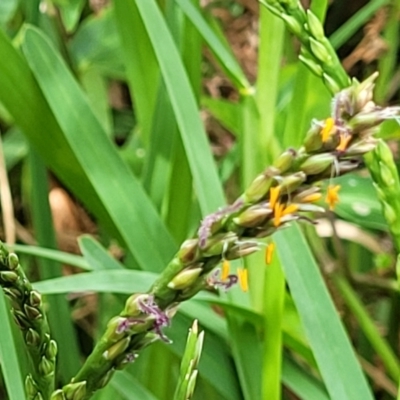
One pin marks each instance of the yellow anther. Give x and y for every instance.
(269, 251)
(332, 196)
(273, 196)
(243, 279)
(344, 141)
(278, 209)
(226, 266)
(291, 208)
(328, 129)
(311, 198)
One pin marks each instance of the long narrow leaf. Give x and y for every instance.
(206, 181)
(335, 357)
(121, 194)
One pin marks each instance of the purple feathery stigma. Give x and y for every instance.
(150, 307)
(215, 281)
(127, 323)
(205, 227)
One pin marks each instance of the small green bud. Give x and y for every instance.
(51, 350)
(31, 312)
(291, 182)
(8, 276)
(252, 217)
(13, 261)
(185, 278)
(13, 293)
(320, 51)
(285, 161)
(191, 384)
(46, 367)
(113, 325)
(312, 65)
(389, 213)
(106, 378)
(317, 163)
(258, 188)
(364, 91)
(219, 243)
(313, 140)
(242, 250)
(32, 338)
(293, 25)
(331, 84)
(30, 386)
(35, 298)
(384, 153)
(132, 308)
(75, 391)
(361, 147)
(20, 319)
(38, 396)
(386, 174)
(380, 193)
(116, 349)
(188, 250)
(58, 395)
(315, 26)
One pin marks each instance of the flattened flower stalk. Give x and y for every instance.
(27, 310)
(286, 191)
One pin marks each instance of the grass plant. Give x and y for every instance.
(235, 242)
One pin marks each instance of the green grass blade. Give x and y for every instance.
(269, 61)
(128, 206)
(381, 347)
(97, 257)
(129, 387)
(225, 58)
(341, 35)
(51, 254)
(9, 355)
(114, 281)
(206, 182)
(59, 312)
(274, 295)
(335, 357)
(302, 384)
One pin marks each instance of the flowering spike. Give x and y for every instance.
(225, 270)
(243, 279)
(273, 196)
(328, 129)
(269, 251)
(332, 196)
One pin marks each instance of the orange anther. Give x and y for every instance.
(344, 141)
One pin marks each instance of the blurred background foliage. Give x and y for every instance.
(131, 120)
